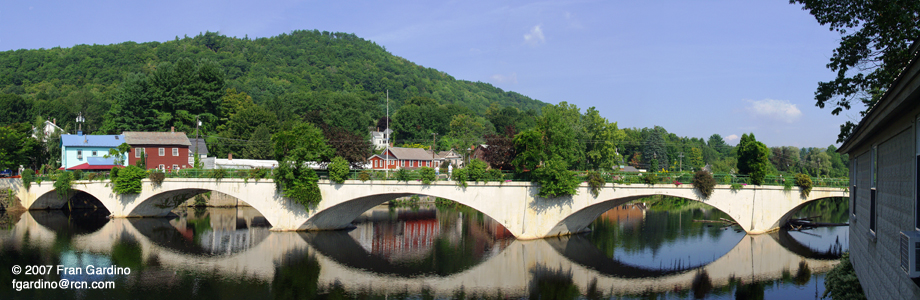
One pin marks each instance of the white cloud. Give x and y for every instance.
(573, 21)
(731, 138)
(780, 110)
(499, 78)
(535, 36)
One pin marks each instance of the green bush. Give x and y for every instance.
(427, 175)
(78, 175)
(338, 170)
(257, 173)
(91, 176)
(157, 177)
(704, 183)
(299, 184)
(113, 173)
(496, 175)
(841, 281)
(476, 170)
(365, 175)
(63, 184)
(403, 174)
(595, 182)
(650, 178)
(555, 179)
(736, 186)
(217, 174)
(27, 177)
(128, 180)
(788, 184)
(461, 176)
(803, 181)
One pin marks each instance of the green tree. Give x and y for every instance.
(529, 148)
(303, 143)
(654, 149)
(298, 147)
(560, 126)
(259, 145)
(16, 148)
(753, 158)
(696, 158)
(785, 158)
(119, 153)
(602, 139)
(718, 144)
(874, 48)
(14, 109)
(468, 132)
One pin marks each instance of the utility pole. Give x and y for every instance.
(197, 124)
(434, 144)
(681, 155)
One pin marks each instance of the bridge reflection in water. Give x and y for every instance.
(382, 255)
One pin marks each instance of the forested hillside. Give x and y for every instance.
(153, 85)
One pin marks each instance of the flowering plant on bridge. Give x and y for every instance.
(804, 182)
(704, 183)
(595, 182)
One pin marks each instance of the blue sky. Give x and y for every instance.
(693, 67)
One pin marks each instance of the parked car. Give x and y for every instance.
(6, 173)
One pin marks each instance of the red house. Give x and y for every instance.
(403, 158)
(165, 150)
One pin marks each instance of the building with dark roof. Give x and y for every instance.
(197, 146)
(884, 151)
(164, 150)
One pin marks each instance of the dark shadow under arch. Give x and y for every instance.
(76, 222)
(790, 243)
(342, 248)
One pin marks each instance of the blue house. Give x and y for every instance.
(86, 152)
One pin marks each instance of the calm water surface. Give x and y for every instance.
(652, 249)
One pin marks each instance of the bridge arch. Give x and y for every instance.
(342, 214)
(799, 207)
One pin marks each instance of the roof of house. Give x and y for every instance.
(100, 161)
(449, 153)
(73, 140)
(88, 166)
(198, 145)
(156, 138)
(410, 153)
(379, 134)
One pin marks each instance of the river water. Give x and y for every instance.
(653, 248)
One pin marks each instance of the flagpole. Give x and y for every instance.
(386, 150)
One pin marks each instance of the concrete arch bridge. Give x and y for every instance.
(757, 209)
